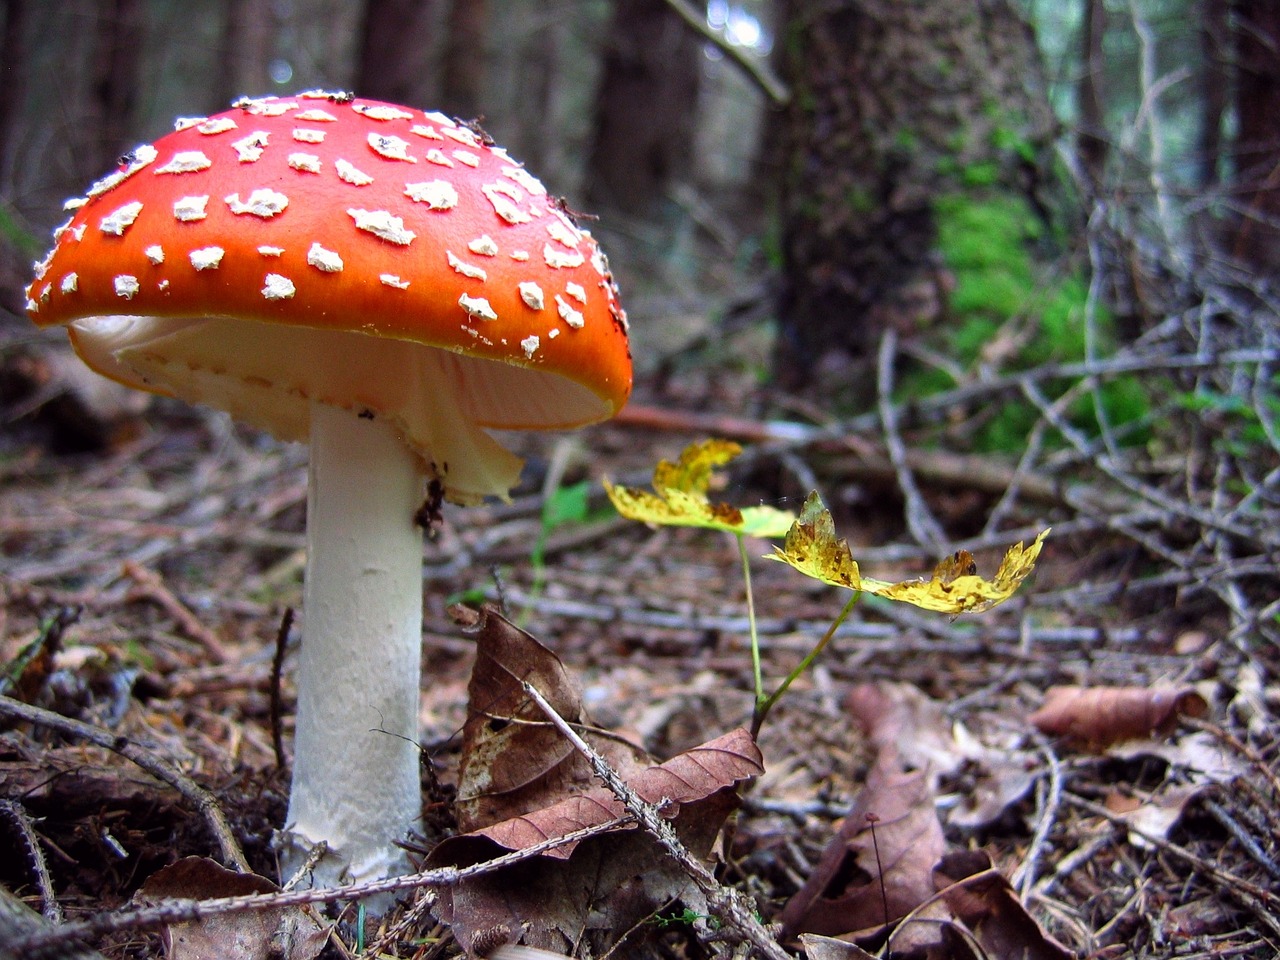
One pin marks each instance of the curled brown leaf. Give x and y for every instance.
(1096, 717)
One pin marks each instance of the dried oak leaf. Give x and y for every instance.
(811, 546)
(287, 933)
(1096, 717)
(603, 886)
(861, 873)
(680, 496)
(979, 897)
(513, 760)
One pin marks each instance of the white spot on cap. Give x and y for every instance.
(509, 190)
(530, 345)
(557, 259)
(484, 246)
(391, 280)
(532, 295)
(477, 307)
(569, 315)
(306, 162)
(188, 209)
(306, 135)
(154, 253)
(467, 157)
(553, 333)
(126, 286)
(315, 115)
(503, 206)
(576, 291)
(322, 259)
(520, 256)
(207, 258)
(337, 96)
(263, 202)
(118, 221)
(186, 161)
(462, 135)
(75, 203)
(564, 234)
(466, 269)
(392, 148)
(348, 172)
(438, 157)
(278, 287)
(381, 111)
(436, 194)
(163, 285)
(216, 125)
(249, 149)
(430, 133)
(266, 106)
(382, 224)
(269, 251)
(69, 283)
(526, 180)
(138, 158)
(183, 123)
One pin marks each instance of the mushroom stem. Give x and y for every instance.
(355, 763)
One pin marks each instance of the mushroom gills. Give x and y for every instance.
(268, 375)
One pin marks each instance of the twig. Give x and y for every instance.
(277, 677)
(757, 72)
(191, 911)
(1024, 877)
(149, 586)
(726, 901)
(924, 527)
(203, 800)
(49, 907)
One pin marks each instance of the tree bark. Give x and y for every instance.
(463, 76)
(396, 52)
(1091, 137)
(13, 71)
(1257, 145)
(113, 85)
(894, 104)
(248, 45)
(645, 109)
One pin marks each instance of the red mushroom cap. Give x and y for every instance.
(186, 270)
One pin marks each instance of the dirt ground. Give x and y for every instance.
(153, 573)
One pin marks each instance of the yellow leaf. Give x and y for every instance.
(812, 548)
(680, 496)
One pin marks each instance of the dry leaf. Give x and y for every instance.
(513, 760)
(982, 899)
(607, 884)
(287, 933)
(680, 496)
(860, 873)
(1095, 717)
(811, 546)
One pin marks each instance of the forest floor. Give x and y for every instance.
(155, 573)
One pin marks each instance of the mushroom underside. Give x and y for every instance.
(266, 375)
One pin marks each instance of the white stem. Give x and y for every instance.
(355, 759)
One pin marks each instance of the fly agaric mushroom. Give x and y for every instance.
(387, 283)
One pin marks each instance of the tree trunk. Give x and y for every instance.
(1214, 82)
(113, 85)
(13, 20)
(1257, 146)
(645, 109)
(895, 103)
(396, 53)
(248, 46)
(1091, 137)
(463, 76)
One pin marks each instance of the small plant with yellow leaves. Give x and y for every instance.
(810, 545)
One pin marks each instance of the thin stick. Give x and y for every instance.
(49, 906)
(149, 586)
(203, 800)
(277, 676)
(726, 901)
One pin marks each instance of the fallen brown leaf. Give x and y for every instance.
(513, 760)
(287, 933)
(862, 874)
(599, 888)
(1096, 717)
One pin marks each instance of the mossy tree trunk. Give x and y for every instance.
(895, 104)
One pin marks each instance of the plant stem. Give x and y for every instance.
(758, 675)
(763, 706)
